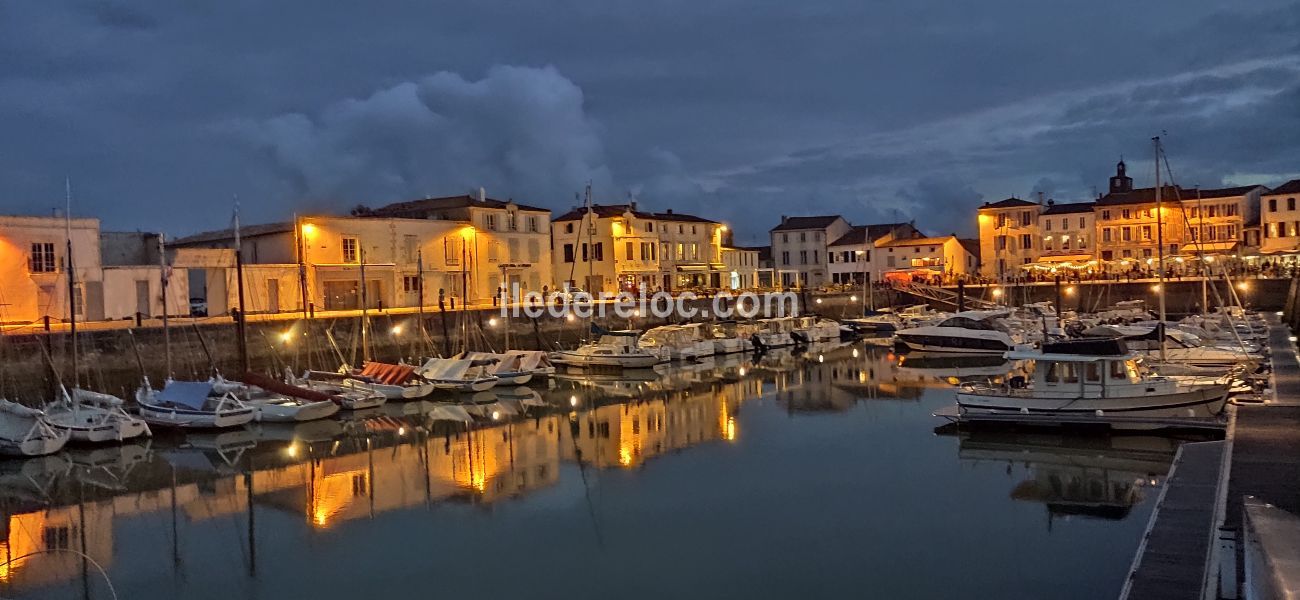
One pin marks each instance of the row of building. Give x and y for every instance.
(1123, 230)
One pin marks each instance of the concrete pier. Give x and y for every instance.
(1184, 555)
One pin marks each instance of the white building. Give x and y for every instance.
(929, 259)
(853, 256)
(742, 267)
(33, 274)
(799, 249)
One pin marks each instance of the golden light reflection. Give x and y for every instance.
(23, 532)
(731, 429)
(331, 494)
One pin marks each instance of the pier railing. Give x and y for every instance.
(942, 295)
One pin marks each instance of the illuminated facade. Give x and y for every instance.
(1280, 219)
(1009, 236)
(608, 248)
(799, 249)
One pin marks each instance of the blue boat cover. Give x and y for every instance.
(186, 393)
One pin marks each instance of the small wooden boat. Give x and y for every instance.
(24, 431)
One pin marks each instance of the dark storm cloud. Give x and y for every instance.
(161, 111)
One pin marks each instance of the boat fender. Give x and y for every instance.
(1024, 410)
(1099, 413)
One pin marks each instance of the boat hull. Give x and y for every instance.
(38, 445)
(1202, 403)
(196, 419)
(295, 413)
(626, 361)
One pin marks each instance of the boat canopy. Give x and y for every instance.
(1095, 347)
(530, 359)
(186, 393)
(97, 398)
(15, 408)
(387, 374)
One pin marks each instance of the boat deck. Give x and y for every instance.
(1171, 560)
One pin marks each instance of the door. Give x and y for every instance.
(341, 295)
(94, 301)
(273, 295)
(142, 304)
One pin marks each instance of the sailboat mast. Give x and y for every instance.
(240, 329)
(162, 271)
(72, 279)
(365, 315)
(1160, 247)
(301, 238)
(868, 294)
(419, 290)
(1205, 276)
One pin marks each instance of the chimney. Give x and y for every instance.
(634, 206)
(1040, 197)
(670, 211)
(784, 219)
(1051, 202)
(482, 195)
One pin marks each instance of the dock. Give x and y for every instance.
(1194, 546)
(1171, 560)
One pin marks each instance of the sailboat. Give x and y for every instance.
(24, 431)
(459, 374)
(612, 349)
(87, 416)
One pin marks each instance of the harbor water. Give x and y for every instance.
(810, 474)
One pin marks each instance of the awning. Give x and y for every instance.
(1066, 258)
(1209, 248)
(702, 267)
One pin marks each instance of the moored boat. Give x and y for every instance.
(1092, 381)
(93, 417)
(24, 431)
(191, 405)
(613, 349)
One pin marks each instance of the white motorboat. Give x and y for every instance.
(1092, 381)
(969, 332)
(1179, 346)
(728, 338)
(612, 349)
(395, 382)
(818, 329)
(884, 320)
(94, 417)
(25, 432)
(458, 374)
(776, 332)
(676, 342)
(191, 405)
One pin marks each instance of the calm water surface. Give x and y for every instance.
(810, 475)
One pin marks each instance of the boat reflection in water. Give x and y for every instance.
(1099, 477)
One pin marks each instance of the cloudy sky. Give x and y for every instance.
(161, 112)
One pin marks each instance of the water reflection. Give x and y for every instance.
(324, 475)
(1098, 477)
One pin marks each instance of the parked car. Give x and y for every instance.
(198, 307)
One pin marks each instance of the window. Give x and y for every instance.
(1290, 203)
(1271, 230)
(532, 224)
(568, 253)
(1093, 373)
(1146, 253)
(1105, 234)
(1146, 233)
(350, 250)
(534, 251)
(803, 236)
(1214, 210)
(450, 251)
(628, 248)
(647, 248)
(816, 261)
(681, 229)
(1194, 233)
(1211, 230)
(785, 258)
(830, 258)
(1047, 243)
(803, 257)
(1232, 232)
(1026, 241)
(817, 236)
(512, 222)
(1083, 242)
(1196, 212)
(56, 538)
(695, 251)
(42, 260)
(692, 230)
(785, 238)
(1105, 215)
(585, 256)
(568, 228)
(1126, 234)
(1125, 213)
(1128, 254)
(665, 251)
(1000, 242)
(489, 221)
(410, 283)
(1002, 221)
(1272, 205)
(1047, 224)
(649, 227)
(598, 251)
(1024, 218)
(681, 251)
(1065, 242)
(1065, 222)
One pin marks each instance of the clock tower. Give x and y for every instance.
(1120, 183)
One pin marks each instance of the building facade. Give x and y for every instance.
(1009, 236)
(1280, 220)
(610, 248)
(799, 249)
(927, 259)
(853, 257)
(1217, 221)
(741, 264)
(1068, 235)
